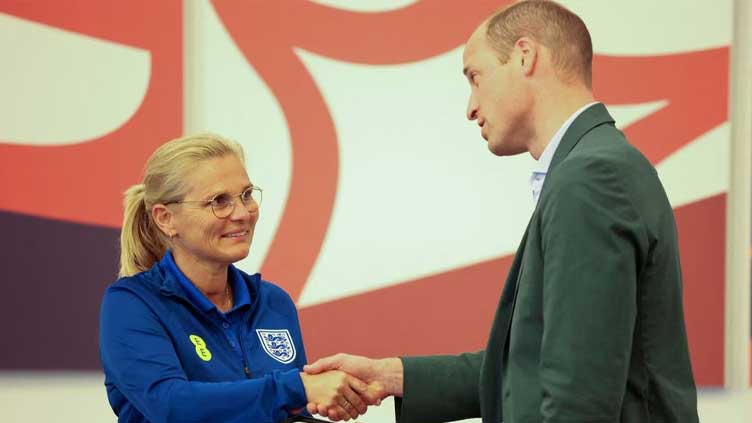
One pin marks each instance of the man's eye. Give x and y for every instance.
(221, 201)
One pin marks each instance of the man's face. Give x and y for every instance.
(500, 99)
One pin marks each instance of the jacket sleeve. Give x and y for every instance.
(139, 358)
(439, 388)
(593, 245)
(283, 303)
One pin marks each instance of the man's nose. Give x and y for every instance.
(472, 108)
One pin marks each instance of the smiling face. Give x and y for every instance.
(500, 98)
(203, 238)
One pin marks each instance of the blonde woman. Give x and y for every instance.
(185, 336)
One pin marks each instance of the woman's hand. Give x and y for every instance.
(336, 392)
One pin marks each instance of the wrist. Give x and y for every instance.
(305, 380)
(391, 375)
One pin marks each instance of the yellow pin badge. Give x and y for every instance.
(201, 350)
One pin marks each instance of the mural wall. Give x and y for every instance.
(384, 215)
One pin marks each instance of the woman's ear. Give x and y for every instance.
(164, 218)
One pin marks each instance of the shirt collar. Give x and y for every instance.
(544, 161)
(239, 288)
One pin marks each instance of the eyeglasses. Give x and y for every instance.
(224, 204)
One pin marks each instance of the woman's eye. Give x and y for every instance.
(221, 201)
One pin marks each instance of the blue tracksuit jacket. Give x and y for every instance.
(170, 356)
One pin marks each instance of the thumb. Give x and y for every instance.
(322, 365)
(358, 385)
(373, 393)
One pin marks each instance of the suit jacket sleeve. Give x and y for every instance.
(593, 243)
(439, 388)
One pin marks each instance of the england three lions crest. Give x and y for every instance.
(278, 344)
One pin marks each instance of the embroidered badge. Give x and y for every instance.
(278, 344)
(201, 350)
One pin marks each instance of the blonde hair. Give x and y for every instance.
(547, 22)
(142, 243)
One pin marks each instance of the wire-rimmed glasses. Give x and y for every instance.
(223, 204)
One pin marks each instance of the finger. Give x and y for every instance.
(338, 413)
(312, 408)
(347, 407)
(323, 364)
(354, 399)
(322, 410)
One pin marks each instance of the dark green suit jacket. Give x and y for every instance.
(590, 325)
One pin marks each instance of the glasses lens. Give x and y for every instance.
(247, 197)
(251, 197)
(222, 206)
(257, 194)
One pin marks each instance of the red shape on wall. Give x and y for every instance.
(446, 313)
(84, 182)
(694, 84)
(702, 243)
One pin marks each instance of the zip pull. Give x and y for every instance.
(247, 372)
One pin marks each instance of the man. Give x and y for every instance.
(590, 326)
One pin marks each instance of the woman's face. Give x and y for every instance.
(200, 235)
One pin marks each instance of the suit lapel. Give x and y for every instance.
(590, 118)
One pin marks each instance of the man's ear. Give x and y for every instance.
(526, 54)
(164, 218)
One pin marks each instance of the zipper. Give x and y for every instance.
(243, 362)
(246, 370)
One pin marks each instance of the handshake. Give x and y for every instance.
(342, 386)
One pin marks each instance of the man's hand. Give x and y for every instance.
(338, 393)
(383, 377)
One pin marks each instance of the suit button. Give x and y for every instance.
(507, 394)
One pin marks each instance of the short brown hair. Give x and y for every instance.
(550, 24)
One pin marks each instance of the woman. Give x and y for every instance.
(185, 336)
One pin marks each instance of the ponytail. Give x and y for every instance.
(141, 243)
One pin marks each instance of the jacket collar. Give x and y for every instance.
(175, 283)
(593, 116)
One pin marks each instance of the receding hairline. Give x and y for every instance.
(478, 32)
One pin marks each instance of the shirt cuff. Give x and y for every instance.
(292, 388)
